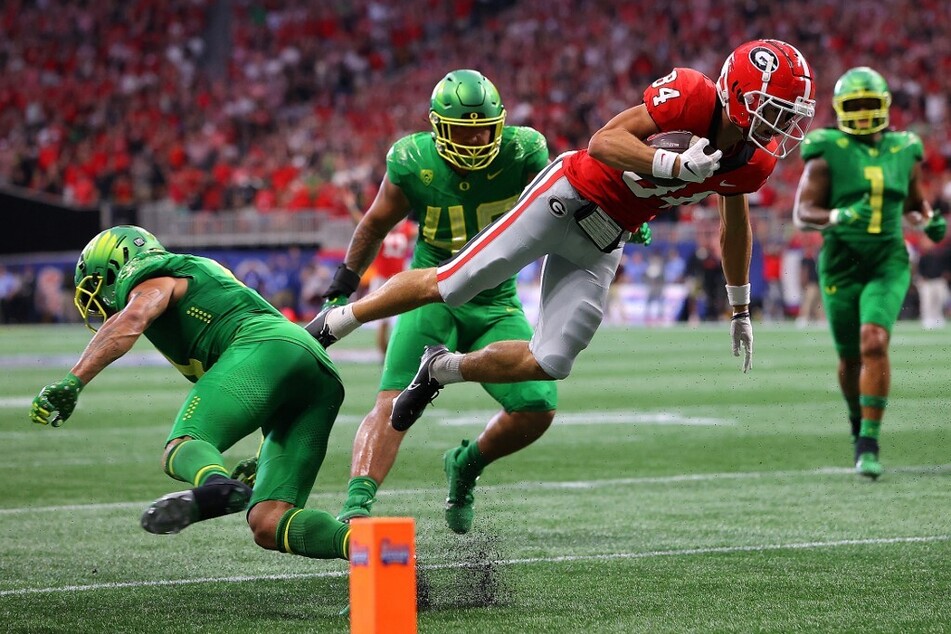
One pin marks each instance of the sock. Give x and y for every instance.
(194, 461)
(870, 428)
(470, 460)
(342, 322)
(856, 423)
(313, 533)
(361, 488)
(446, 369)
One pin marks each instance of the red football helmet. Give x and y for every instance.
(767, 89)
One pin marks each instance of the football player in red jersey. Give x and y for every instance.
(578, 210)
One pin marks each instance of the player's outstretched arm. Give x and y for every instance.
(56, 402)
(736, 242)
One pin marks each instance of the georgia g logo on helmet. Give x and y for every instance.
(764, 59)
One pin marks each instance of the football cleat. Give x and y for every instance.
(868, 465)
(171, 513)
(409, 404)
(355, 507)
(319, 329)
(459, 502)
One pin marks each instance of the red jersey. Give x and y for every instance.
(683, 100)
(396, 250)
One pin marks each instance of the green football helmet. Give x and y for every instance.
(466, 99)
(861, 83)
(99, 264)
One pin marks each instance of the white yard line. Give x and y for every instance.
(522, 486)
(716, 550)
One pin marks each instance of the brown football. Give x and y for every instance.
(675, 141)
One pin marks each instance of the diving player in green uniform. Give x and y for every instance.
(251, 368)
(858, 183)
(455, 180)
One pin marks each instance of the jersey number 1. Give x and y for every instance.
(876, 177)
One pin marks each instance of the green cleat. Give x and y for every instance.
(355, 506)
(868, 465)
(459, 502)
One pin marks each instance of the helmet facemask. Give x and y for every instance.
(462, 102)
(772, 117)
(88, 301)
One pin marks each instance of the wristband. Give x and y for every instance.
(663, 164)
(834, 216)
(738, 295)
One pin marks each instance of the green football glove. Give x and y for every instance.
(848, 215)
(936, 228)
(246, 471)
(642, 235)
(340, 300)
(56, 402)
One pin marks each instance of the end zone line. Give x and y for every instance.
(713, 550)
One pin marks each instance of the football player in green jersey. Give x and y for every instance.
(859, 181)
(252, 370)
(455, 180)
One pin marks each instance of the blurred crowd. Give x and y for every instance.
(221, 105)
(218, 104)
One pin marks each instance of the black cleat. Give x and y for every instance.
(319, 329)
(409, 404)
(219, 496)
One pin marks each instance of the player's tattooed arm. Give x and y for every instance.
(119, 333)
(388, 208)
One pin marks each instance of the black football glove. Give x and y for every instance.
(343, 285)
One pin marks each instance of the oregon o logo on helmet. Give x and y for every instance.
(557, 207)
(764, 59)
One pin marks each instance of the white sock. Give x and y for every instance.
(446, 370)
(342, 322)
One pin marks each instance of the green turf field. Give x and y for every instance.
(673, 494)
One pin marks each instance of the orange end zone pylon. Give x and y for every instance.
(383, 575)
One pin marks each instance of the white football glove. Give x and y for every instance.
(695, 166)
(741, 330)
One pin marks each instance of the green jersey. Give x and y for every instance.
(451, 207)
(879, 172)
(215, 310)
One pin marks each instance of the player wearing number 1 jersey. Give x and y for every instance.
(579, 209)
(859, 182)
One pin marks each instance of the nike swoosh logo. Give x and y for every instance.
(726, 184)
(491, 176)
